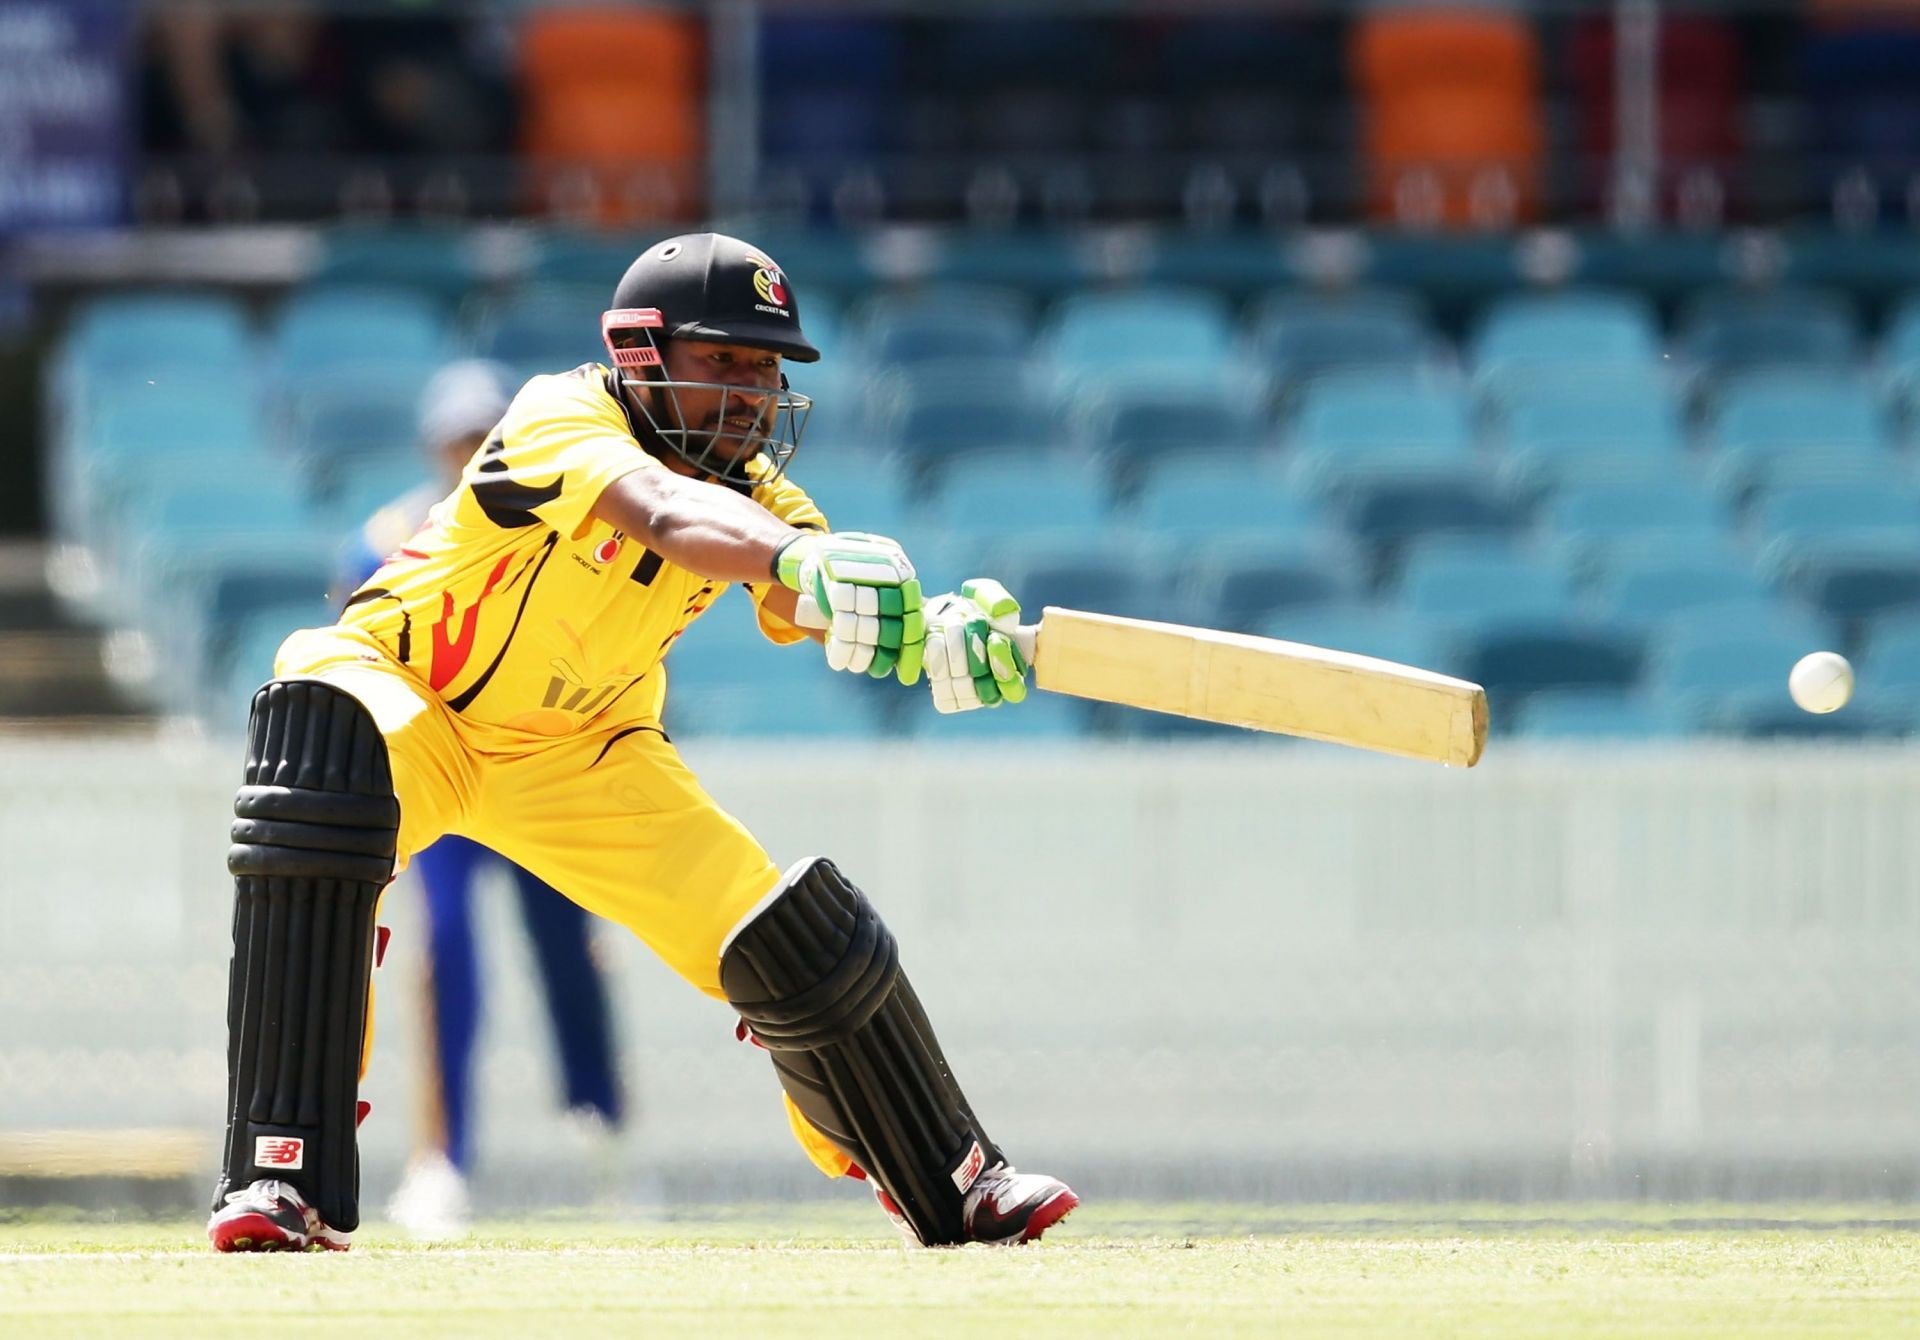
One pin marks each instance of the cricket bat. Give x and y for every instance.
(1261, 683)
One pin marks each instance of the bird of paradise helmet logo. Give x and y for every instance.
(768, 282)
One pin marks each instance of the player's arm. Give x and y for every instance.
(863, 587)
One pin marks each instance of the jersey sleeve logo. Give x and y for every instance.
(507, 504)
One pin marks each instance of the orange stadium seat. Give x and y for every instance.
(1452, 118)
(614, 124)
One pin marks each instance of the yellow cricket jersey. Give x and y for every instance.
(528, 616)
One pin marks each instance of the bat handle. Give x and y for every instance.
(1027, 638)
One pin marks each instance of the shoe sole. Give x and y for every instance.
(1047, 1214)
(252, 1233)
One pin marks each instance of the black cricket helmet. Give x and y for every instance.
(708, 286)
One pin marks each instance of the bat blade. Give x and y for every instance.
(1260, 683)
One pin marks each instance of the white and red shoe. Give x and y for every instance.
(271, 1216)
(1008, 1207)
(1004, 1207)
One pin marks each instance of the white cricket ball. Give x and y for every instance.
(1821, 681)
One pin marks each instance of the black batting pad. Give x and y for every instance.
(314, 830)
(816, 975)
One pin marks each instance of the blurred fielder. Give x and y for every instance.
(500, 677)
(459, 407)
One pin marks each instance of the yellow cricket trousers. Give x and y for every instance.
(610, 817)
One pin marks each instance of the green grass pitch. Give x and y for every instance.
(1109, 1272)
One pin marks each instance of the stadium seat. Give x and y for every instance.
(1236, 264)
(1132, 426)
(1717, 674)
(325, 326)
(1596, 520)
(1125, 575)
(126, 336)
(1834, 511)
(1887, 677)
(943, 322)
(1171, 335)
(1735, 329)
(1242, 584)
(360, 411)
(1581, 328)
(1811, 414)
(542, 328)
(1199, 498)
(1045, 264)
(1023, 492)
(1360, 413)
(1595, 421)
(1403, 496)
(437, 261)
(1637, 593)
(1295, 336)
(1851, 575)
(569, 257)
(937, 412)
(1444, 583)
(856, 490)
(1612, 716)
(1390, 633)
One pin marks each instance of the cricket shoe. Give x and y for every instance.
(270, 1216)
(1008, 1207)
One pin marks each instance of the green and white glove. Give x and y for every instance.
(972, 660)
(862, 590)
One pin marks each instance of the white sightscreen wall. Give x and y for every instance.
(1266, 970)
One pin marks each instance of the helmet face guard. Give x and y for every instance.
(636, 345)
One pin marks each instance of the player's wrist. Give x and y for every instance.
(790, 556)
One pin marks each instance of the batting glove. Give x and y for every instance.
(862, 590)
(971, 659)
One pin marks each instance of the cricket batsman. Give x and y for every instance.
(501, 676)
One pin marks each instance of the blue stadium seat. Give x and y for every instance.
(1390, 633)
(936, 412)
(169, 415)
(1026, 493)
(1576, 327)
(1812, 412)
(1639, 592)
(1792, 470)
(943, 322)
(1123, 575)
(1887, 677)
(1358, 413)
(1300, 335)
(1596, 520)
(1446, 583)
(366, 484)
(1533, 474)
(1045, 264)
(1169, 334)
(1595, 421)
(128, 336)
(1236, 264)
(1204, 497)
(1733, 329)
(1403, 497)
(435, 260)
(367, 410)
(562, 256)
(542, 328)
(1613, 716)
(1241, 584)
(352, 323)
(856, 490)
(1515, 622)
(1835, 511)
(1132, 426)
(1851, 575)
(1721, 675)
